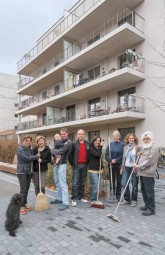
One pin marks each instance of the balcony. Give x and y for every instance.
(111, 77)
(101, 42)
(73, 26)
(132, 109)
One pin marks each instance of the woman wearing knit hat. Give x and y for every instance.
(146, 168)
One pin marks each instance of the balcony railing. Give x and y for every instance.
(132, 104)
(108, 26)
(60, 27)
(73, 83)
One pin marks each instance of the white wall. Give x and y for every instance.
(8, 99)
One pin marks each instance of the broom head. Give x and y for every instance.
(97, 204)
(113, 217)
(41, 203)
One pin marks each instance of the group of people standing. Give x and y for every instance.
(123, 159)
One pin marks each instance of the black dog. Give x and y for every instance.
(13, 214)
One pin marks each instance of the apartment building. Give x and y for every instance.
(99, 68)
(8, 103)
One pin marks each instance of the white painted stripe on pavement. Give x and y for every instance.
(18, 185)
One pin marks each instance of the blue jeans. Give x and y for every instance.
(60, 183)
(94, 178)
(125, 177)
(78, 181)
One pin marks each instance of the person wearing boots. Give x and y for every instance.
(146, 169)
(78, 159)
(130, 154)
(114, 157)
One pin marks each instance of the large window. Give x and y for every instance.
(72, 137)
(126, 98)
(126, 131)
(124, 16)
(93, 106)
(71, 112)
(44, 122)
(97, 37)
(57, 90)
(94, 73)
(124, 60)
(91, 134)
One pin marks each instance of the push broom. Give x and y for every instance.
(98, 204)
(113, 216)
(41, 200)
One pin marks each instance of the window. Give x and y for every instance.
(91, 134)
(71, 112)
(94, 73)
(44, 71)
(16, 104)
(56, 63)
(126, 98)
(97, 37)
(57, 90)
(72, 137)
(126, 131)
(124, 17)
(44, 119)
(93, 106)
(44, 95)
(125, 60)
(16, 115)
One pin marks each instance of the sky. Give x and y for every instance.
(22, 23)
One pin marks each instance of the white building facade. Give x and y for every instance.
(8, 101)
(100, 68)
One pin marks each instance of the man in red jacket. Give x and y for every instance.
(78, 158)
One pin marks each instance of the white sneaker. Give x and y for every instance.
(84, 200)
(74, 203)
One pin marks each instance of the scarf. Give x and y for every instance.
(130, 155)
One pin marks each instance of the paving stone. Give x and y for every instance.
(85, 230)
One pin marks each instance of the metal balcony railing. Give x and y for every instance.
(120, 18)
(72, 82)
(132, 104)
(59, 28)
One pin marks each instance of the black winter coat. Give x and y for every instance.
(45, 155)
(94, 158)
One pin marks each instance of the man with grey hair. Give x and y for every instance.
(146, 169)
(78, 159)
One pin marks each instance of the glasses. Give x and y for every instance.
(146, 139)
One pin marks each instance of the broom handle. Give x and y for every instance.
(39, 168)
(110, 166)
(98, 190)
(126, 187)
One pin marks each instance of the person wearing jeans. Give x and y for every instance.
(146, 169)
(62, 195)
(95, 165)
(114, 155)
(130, 153)
(78, 159)
(25, 160)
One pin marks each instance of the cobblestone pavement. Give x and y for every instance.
(83, 230)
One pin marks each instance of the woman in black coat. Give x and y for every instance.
(95, 164)
(44, 159)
